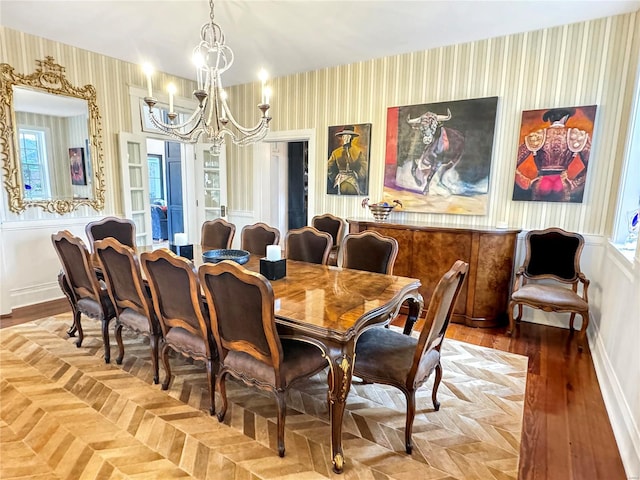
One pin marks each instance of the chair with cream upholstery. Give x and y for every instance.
(217, 234)
(549, 277)
(85, 292)
(134, 310)
(308, 244)
(178, 305)
(248, 343)
(255, 238)
(405, 362)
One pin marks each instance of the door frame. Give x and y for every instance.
(270, 178)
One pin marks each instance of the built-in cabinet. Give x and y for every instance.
(426, 252)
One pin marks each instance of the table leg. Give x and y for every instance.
(339, 379)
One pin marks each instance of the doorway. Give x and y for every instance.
(297, 184)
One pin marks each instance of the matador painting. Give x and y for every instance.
(553, 156)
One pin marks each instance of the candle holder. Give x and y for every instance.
(185, 251)
(273, 269)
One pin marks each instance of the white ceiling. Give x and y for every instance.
(287, 36)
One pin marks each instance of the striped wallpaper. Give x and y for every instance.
(593, 62)
(587, 63)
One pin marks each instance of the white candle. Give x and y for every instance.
(273, 253)
(148, 70)
(267, 94)
(172, 90)
(180, 239)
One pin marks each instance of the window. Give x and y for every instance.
(625, 235)
(156, 183)
(33, 163)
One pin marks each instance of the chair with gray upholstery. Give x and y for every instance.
(129, 295)
(255, 238)
(85, 292)
(248, 343)
(122, 229)
(405, 362)
(178, 305)
(369, 251)
(217, 234)
(308, 244)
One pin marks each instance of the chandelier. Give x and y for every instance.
(212, 118)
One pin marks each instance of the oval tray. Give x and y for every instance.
(214, 256)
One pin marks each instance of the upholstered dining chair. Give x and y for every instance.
(334, 226)
(134, 309)
(369, 251)
(178, 305)
(122, 229)
(216, 234)
(255, 238)
(549, 277)
(87, 296)
(248, 344)
(308, 244)
(405, 362)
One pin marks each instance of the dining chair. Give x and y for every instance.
(255, 238)
(87, 296)
(180, 309)
(248, 344)
(217, 234)
(549, 277)
(129, 295)
(122, 229)
(405, 362)
(334, 226)
(369, 251)
(308, 244)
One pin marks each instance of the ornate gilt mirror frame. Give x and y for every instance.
(49, 77)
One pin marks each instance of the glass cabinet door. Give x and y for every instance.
(212, 200)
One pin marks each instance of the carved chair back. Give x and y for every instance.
(256, 237)
(369, 251)
(553, 253)
(122, 229)
(308, 244)
(216, 234)
(334, 226)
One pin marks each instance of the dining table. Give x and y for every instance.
(331, 307)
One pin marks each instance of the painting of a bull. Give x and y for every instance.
(443, 147)
(438, 155)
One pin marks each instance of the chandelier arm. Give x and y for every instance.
(196, 118)
(239, 127)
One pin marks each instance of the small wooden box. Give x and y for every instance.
(273, 270)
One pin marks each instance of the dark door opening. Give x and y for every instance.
(298, 184)
(175, 208)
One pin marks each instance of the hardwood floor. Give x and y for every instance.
(566, 432)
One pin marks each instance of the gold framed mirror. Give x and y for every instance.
(50, 140)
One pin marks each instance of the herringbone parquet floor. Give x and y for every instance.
(65, 414)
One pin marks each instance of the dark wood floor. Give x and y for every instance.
(566, 433)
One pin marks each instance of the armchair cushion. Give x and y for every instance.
(186, 342)
(560, 297)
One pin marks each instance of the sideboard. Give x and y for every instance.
(427, 251)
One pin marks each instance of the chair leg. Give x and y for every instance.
(120, 344)
(282, 410)
(78, 325)
(154, 341)
(411, 413)
(222, 388)
(583, 330)
(436, 384)
(105, 340)
(167, 367)
(571, 319)
(212, 386)
(512, 322)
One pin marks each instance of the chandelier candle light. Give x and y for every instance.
(213, 118)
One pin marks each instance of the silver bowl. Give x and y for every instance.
(214, 256)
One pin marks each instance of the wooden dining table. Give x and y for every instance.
(330, 307)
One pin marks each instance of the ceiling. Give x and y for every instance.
(287, 36)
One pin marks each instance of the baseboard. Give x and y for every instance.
(626, 433)
(35, 294)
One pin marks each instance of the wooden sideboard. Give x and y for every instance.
(427, 251)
